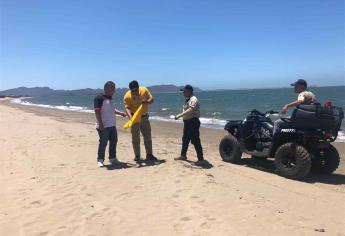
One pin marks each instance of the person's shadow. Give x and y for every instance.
(204, 165)
(119, 166)
(268, 165)
(148, 163)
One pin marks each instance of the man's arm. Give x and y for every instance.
(149, 97)
(186, 112)
(120, 113)
(129, 114)
(99, 119)
(98, 102)
(290, 105)
(127, 110)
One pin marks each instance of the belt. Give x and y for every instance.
(146, 115)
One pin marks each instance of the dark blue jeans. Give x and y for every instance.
(105, 135)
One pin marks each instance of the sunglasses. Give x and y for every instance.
(134, 90)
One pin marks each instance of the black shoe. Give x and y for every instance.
(151, 157)
(137, 159)
(180, 158)
(200, 162)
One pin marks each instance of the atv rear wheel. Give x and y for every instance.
(292, 161)
(229, 149)
(326, 161)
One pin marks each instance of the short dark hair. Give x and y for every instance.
(133, 84)
(109, 83)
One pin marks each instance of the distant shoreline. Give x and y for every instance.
(165, 89)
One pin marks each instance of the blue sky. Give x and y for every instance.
(211, 44)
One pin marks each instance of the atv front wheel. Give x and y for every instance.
(326, 161)
(292, 161)
(229, 149)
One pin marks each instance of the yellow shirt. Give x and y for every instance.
(133, 102)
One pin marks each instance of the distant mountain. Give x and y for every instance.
(24, 91)
(43, 91)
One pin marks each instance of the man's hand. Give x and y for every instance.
(177, 117)
(101, 126)
(285, 109)
(120, 113)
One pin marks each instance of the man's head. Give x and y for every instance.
(187, 91)
(134, 87)
(300, 85)
(109, 88)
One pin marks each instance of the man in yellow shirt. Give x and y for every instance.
(136, 96)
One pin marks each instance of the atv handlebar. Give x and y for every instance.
(256, 112)
(271, 112)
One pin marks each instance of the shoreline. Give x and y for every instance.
(217, 124)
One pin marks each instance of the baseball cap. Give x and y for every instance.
(300, 82)
(187, 87)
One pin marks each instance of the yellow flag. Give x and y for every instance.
(135, 118)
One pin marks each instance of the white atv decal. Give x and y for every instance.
(288, 131)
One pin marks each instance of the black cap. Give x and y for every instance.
(187, 87)
(133, 84)
(300, 82)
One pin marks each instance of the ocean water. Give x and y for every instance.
(216, 106)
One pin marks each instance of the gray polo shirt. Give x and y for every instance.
(106, 105)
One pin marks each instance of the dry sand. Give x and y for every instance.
(51, 185)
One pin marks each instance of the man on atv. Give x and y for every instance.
(305, 97)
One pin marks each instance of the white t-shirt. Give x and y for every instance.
(306, 97)
(106, 105)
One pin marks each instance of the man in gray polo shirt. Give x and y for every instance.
(106, 123)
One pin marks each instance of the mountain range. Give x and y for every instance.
(43, 91)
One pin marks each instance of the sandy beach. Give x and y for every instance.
(51, 185)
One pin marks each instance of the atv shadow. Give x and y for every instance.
(334, 179)
(267, 165)
(259, 164)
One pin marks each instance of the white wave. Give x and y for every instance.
(205, 122)
(64, 108)
(164, 109)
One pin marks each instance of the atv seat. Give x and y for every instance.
(317, 117)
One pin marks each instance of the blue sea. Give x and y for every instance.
(216, 106)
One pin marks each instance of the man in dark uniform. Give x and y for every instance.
(191, 130)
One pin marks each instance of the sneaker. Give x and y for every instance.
(114, 161)
(137, 158)
(100, 163)
(180, 158)
(151, 157)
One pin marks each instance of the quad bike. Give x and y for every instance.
(301, 145)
